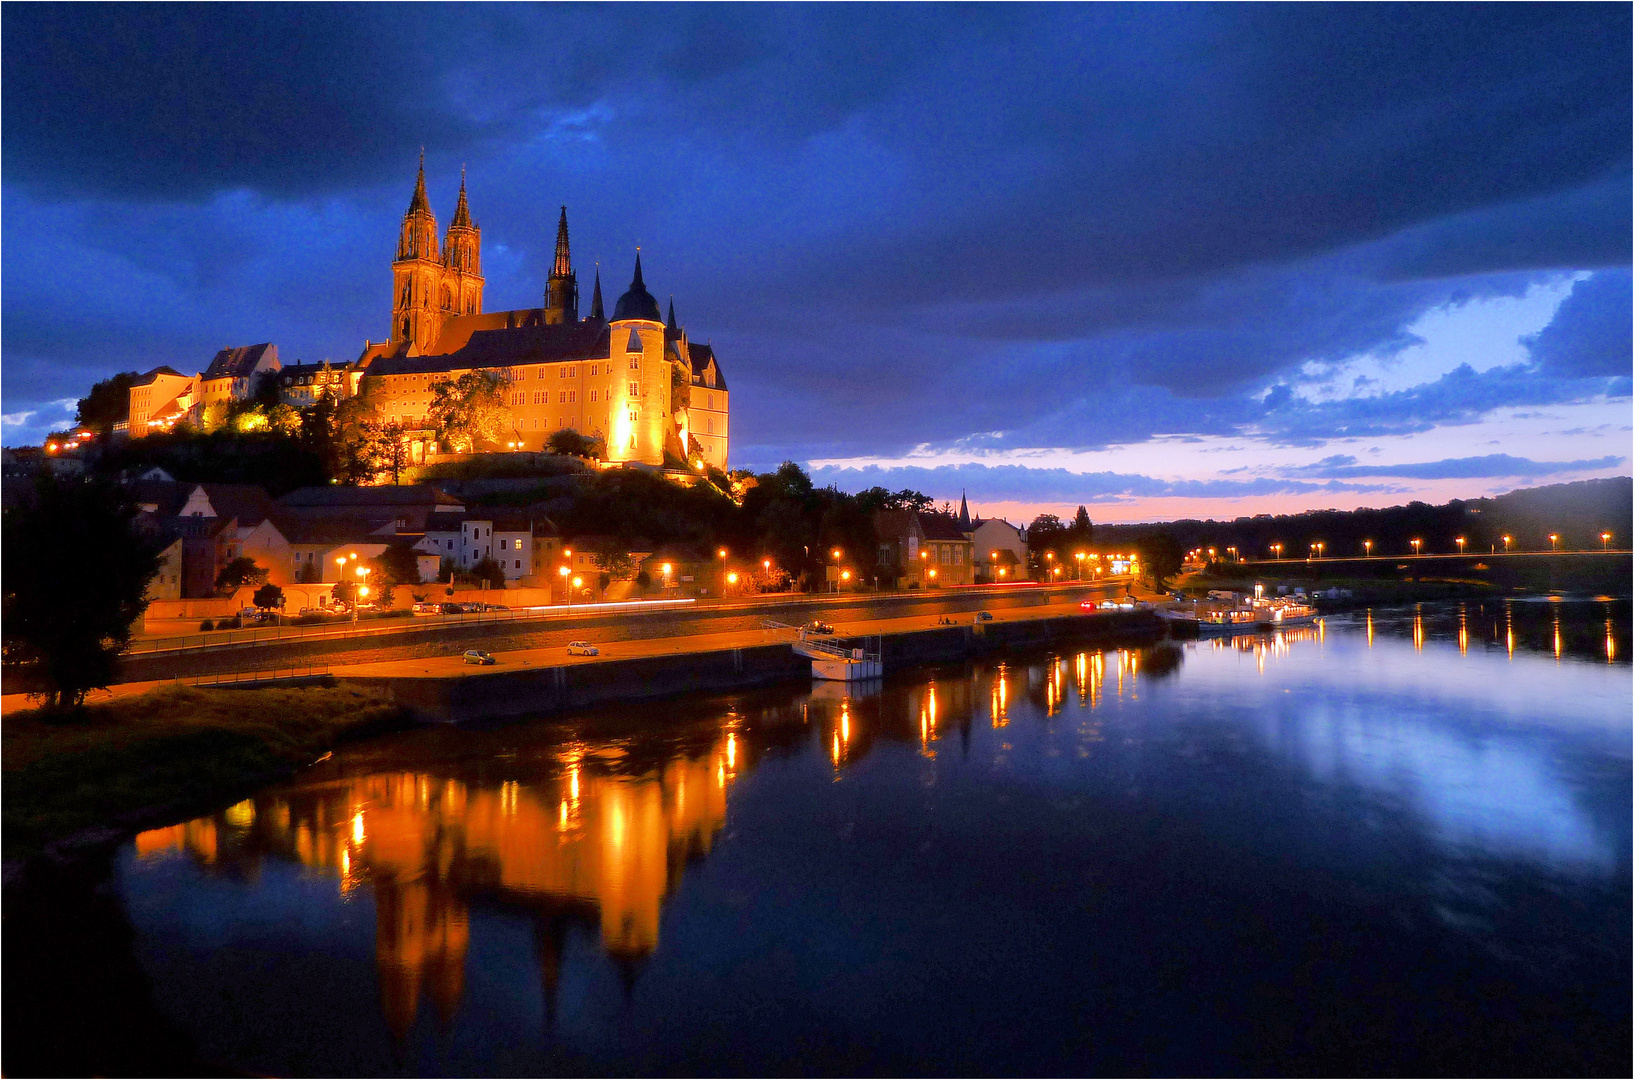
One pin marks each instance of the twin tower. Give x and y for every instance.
(432, 284)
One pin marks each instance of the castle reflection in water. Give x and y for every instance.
(576, 831)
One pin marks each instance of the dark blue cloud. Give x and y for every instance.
(1489, 466)
(1592, 333)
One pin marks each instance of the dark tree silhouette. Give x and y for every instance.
(79, 578)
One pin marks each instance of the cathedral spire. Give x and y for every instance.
(670, 325)
(562, 290)
(462, 212)
(564, 261)
(596, 311)
(964, 512)
(420, 202)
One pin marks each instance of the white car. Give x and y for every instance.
(582, 648)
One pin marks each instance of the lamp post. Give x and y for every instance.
(1554, 541)
(1506, 538)
(666, 569)
(1276, 550)
(1233, 552)
(566, 587)
(1079, 556)
(1460, 542)
(1416, 545)
(1605, 541)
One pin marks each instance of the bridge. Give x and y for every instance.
(1621, 554)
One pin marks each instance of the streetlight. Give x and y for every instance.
(1233, 552)
(1460, 542)
(564, 571)
(836, 553)
(1416, 545)
(1605, 541)
(1554, 541)
(1506, 538)
(721, 554)
(1276, 549)
(1080, 557)
(1367, 548)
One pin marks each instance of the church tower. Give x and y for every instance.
(562, 291)
(462, 257)
(417, 273)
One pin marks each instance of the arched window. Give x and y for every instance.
(448, 299)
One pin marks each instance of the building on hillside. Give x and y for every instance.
(301, 385)
(234, 375)
(405, 508)
(614, 378)
(157, 401)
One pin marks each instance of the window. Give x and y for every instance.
(592, 395)
(541, 374)
(519, 564)
(451, 545)
(634, 416)
(632, 441)
(592, 369)
(635, 389)
(958, 556)
(561, 373)
(712, 425)
(573, 396)
(561, 399)
(635, 360)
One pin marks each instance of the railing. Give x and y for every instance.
(258, 675)
(397, 624)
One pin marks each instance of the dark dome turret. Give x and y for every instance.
(637, 303)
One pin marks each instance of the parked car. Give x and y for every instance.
(818, 626)
(477, 656)
(427, 609)
(582, 648)
(984, 616)
(453, 609)
(495, 607)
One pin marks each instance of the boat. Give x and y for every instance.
(1249, 617)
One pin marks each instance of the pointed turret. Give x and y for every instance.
(597, 314)
(562, 290)
(462, 212)
(670, 323)
(419, 202)
(637, 303)
(964, 513)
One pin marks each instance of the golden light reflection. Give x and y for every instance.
(1557, 636)
(1418, 631)
(1463, 632)
(1611, 643)
(1370, 628)
(436, 843)
(1509, 632)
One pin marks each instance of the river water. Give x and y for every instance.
(1395, 842)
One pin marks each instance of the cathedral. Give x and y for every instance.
(636, 380)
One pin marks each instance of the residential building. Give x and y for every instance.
(158, 400)
(999, 545)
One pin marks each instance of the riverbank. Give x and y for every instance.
(111, 769)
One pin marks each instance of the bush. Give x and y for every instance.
(207, 625)
(233, 623)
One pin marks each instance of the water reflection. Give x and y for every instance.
(1420, 759)
(584, 842)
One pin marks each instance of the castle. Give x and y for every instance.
(637, 381)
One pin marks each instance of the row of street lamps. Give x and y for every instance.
(1318, 548)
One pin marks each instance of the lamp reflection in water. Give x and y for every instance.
(1611, 642)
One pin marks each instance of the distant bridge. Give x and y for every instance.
(1433, 557)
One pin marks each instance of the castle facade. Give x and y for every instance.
(636, 380)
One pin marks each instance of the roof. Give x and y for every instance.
(637, 302)
(246, 502)
(341, 495)
(440, 522)
(240, 362)
(701, 357)
(481, 346)
(602, 542)
(326, 530)
(940, 527)
(151, 377)
(896, 524)
(166, 496)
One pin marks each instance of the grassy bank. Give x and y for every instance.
(119, 765)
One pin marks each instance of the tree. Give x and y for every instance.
(393, 448)
(107, 403)
(268, 596)
(487, 570)
(79, 580)
(1082, 532)
(397, 565)
(1161, 557)
(344, 592)
(238, 573)
(469, 410)
(568, 441)
(356, 444)
(308, 574)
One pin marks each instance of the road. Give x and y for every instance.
(696, 624)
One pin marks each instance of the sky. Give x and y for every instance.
(1157, 260)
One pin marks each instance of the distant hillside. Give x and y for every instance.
(1578, 513)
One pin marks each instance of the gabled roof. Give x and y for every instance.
(240, 362)
(940, 527)
(165, 496)
(151, 377)
(481, 346)
(896, 524)
(701, 357)
(246, 502)
(442, 522)
(326, 530)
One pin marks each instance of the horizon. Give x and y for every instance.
(1162, 262)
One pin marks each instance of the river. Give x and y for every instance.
(1398, 841)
